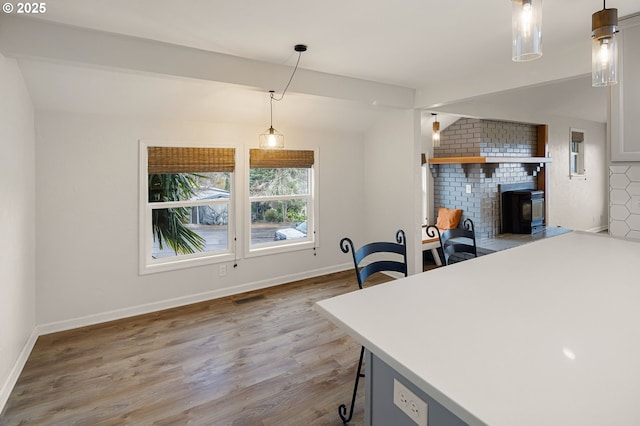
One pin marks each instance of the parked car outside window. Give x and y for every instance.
(299, 231)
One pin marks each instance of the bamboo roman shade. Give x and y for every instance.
(577, 136)
(280, 159)
(165, 159)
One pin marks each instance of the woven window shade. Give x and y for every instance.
(280, 159)
(162, 159)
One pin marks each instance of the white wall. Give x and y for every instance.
(393, 191)
(580, 204)
(87, 218)
(17, 226)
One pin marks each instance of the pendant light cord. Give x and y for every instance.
(271, 106)
(273, 98)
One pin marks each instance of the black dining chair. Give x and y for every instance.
(456, 244)
(389, 257)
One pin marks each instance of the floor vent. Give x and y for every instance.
(249, 299)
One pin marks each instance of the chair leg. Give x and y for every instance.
(342, 409)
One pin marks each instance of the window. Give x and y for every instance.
(186, 198)
(281, 199)
(576, 155)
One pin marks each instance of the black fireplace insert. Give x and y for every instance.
(523, 211)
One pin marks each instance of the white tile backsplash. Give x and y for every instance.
(624, 208)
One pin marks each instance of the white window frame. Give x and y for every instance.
(311, 241)
(578, 157)
(148, 265)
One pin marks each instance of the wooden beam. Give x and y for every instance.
(49, 41)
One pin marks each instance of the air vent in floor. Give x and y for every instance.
(249, 299)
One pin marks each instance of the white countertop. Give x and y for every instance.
(547, 333)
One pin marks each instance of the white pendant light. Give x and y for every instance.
(435, 136)
(604, 50)
(526, 30)
(271, 138)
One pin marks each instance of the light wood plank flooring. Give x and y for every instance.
(260, 358)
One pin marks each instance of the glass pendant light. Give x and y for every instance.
(526, 30)
(271, 138)
(604, 48)
(435, 137)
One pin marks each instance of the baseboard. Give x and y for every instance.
(182, 301)
(11, 381)
(598, 229)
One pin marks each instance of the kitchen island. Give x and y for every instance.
(547, 333)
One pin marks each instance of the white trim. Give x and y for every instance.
(144, 232)
(580, 155)
(184, 300)
(311, 241)
(281, 247)
(598, 229)
(12, 379)
(183, 262)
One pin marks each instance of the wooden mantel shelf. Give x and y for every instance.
(488, 160)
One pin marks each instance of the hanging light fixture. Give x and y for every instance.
(271, 138)
(604, 49)
(526, 30)
(435, 136)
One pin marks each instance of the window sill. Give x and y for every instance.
(277, 249)
(177, 264)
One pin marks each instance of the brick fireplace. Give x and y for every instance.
(502, 145)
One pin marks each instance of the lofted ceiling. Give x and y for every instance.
(452, 53)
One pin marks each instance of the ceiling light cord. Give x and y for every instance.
(272, 139)
(271, 92)
(273, 98)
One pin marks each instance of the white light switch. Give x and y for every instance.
(468, 188)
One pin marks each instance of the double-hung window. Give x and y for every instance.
(576, 155)
(281, 200)
(186, 206)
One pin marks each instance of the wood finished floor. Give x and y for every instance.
(268, 361)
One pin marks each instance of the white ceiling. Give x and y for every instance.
(404, 43)
(438, 48)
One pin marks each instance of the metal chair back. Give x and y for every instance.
(373, 265)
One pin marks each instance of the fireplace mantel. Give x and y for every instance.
(488, 160)
(533, 165)
(475, 156)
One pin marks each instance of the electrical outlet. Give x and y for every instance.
(410, 404)
(468, 189)
(223, 270)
